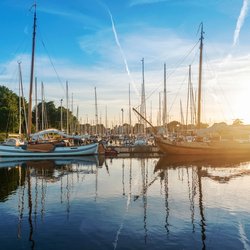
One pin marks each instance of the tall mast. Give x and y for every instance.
(72, 116)
(43, 110)
(192, 103)
(182, 116)
(77, 120)
(72, 103)
(61, 115)
(106, 119)
(130, 122)
(188, 96)
(36, 104)
(24, 109)
(67, 104)
(159, 117)
(200, 79)
(164, 115)
(143, 99)
(20, 103)
(32, 73)
(96, 111)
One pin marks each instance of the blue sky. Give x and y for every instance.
(101, 43)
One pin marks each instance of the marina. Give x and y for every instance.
(125, 203)
(125, 125)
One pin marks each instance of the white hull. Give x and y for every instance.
(19, 151)
(89, 160)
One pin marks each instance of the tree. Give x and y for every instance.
(52, 116)
(237, 122)
(9, 110)
(174, 126)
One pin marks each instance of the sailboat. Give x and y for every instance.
(39, 145)
(200, 146)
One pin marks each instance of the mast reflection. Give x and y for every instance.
(162, 198)
(20, 202)
(30, 209)
(165, 176)
(198, 168)
(201, 207)
(33, 176)
(144, 173)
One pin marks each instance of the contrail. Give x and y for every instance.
(121, 50)
(243, 237)
(240, 21)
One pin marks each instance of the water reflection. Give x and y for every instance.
(201, 160)
(229, 167)
(221, 169)
(23, 174)
(153, 203)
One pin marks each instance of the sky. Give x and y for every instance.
(100, 44)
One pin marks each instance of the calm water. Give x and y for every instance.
(138, 203)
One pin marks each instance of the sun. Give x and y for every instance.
(240, 104)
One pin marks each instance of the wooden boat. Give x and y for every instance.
(199, 146)
(202, 148)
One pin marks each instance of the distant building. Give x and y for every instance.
(139, 128)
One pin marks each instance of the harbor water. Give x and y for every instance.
(125, 203)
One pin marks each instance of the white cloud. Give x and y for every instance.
(108, 74)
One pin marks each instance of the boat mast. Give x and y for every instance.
(61, 115)
(200, 79)
(21, 85)
(106, 119)
(164, 115)
(182, 116)
(143, 99)
(67, 103)
(32, 73)
(43, 106)
(159, 116)
(96, 112)
(36, 105)
(20, 106)
(188, 97)
(72, 117)
(77, 120)
(129, 104)
(192, 101)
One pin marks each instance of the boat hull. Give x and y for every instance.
(202, 148)
(19, 151)
(57, 160)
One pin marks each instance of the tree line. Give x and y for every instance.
(46, 112)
